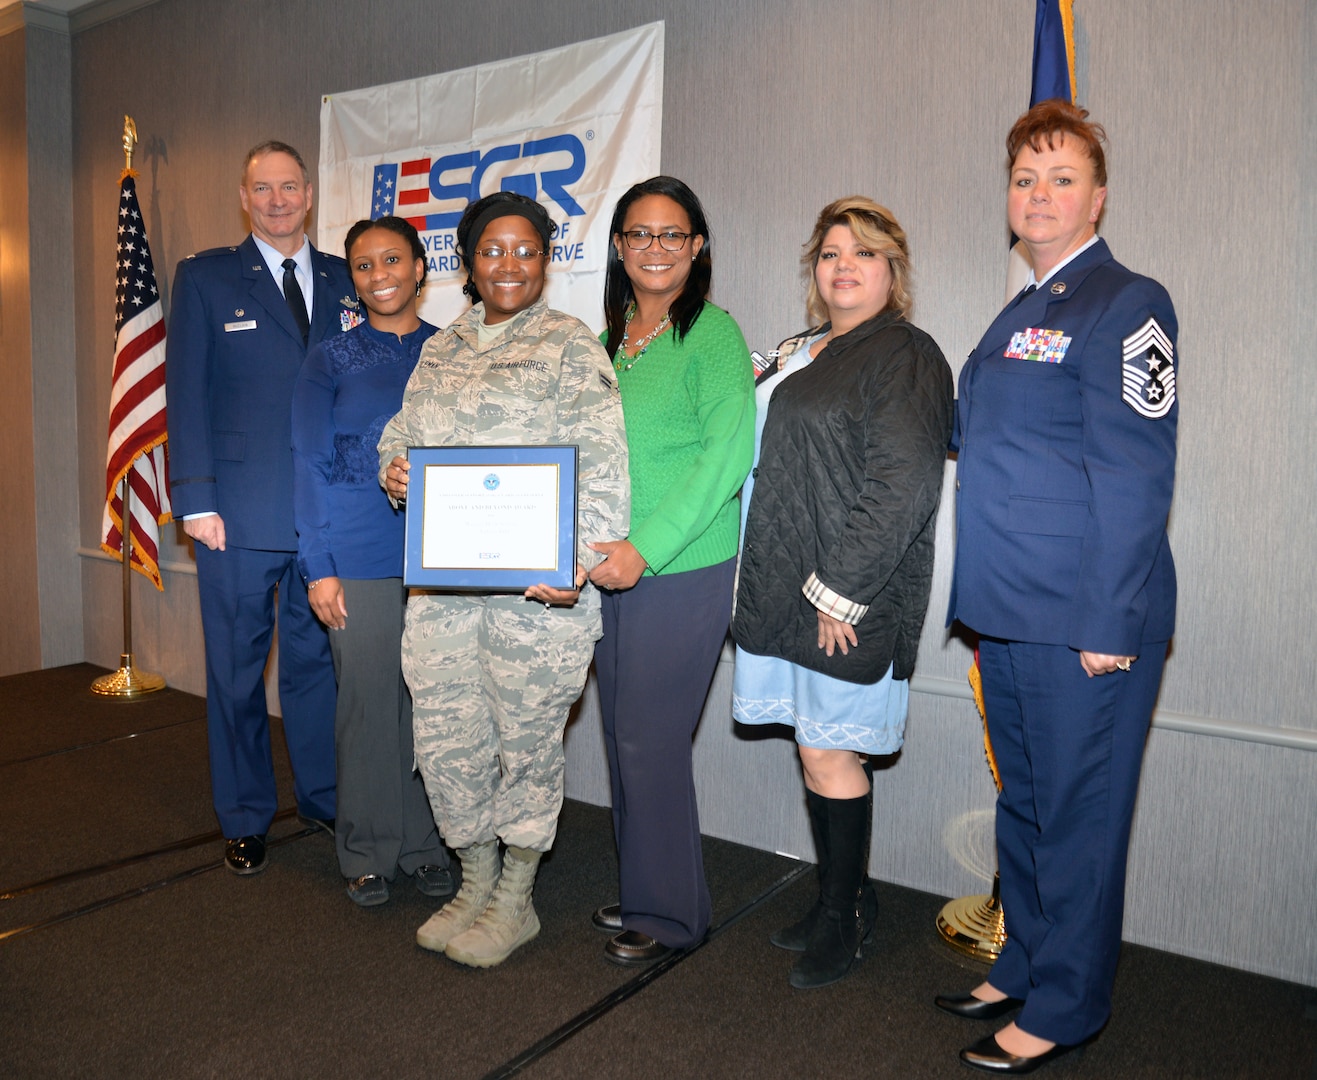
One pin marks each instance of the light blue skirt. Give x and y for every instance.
(827, 713)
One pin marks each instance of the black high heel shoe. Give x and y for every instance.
(969, 1007)
(987, 1054)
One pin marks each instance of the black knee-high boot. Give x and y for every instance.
(842, 922)
(794, 937)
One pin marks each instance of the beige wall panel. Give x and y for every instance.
(20, 630)
(54, 361)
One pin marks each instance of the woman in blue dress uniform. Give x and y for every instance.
(1066, 437)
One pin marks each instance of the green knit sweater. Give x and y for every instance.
(690, 425)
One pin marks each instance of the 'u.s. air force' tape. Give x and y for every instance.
(1148, 371)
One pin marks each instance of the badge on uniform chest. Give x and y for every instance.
(1045, 346)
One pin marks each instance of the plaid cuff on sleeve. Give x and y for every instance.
(831, 603)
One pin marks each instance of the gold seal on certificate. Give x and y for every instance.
(491, 518)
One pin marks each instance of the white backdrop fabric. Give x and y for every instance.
(573, 127)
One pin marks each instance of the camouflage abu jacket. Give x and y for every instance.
(546, 379)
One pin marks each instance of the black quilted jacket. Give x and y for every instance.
(847, 486)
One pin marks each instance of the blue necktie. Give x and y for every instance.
(296, 302)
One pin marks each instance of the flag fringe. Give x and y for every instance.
(164, 518)
(976, 684)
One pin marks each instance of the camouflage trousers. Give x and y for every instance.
(492, 681)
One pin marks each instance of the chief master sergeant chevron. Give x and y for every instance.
(242, 320)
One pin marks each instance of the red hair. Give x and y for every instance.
(1047, 123)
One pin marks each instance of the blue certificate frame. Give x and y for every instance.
(491, 518)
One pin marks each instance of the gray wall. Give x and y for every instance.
(771, 109)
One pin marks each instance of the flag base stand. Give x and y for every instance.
(974, 925)
(127, 683)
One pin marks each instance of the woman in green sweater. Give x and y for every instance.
(688, 396)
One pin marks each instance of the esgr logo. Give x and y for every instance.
(408, 188)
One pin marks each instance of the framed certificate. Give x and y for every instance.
(490, 518)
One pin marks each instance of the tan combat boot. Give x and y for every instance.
(508, 922)
(479, 875)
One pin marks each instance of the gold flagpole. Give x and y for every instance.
(128, 682)
(976, 925)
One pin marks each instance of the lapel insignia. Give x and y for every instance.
(1148, 371)
(258, 267)
(1058, 288)
(239, 312)
(1044, 346)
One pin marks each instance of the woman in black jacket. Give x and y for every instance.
(837, 556)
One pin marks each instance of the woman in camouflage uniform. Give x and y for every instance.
(493, 676)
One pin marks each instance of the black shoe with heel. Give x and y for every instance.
(969, 1007)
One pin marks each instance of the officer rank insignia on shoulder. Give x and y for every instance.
(1044, 346)
(1148, 371)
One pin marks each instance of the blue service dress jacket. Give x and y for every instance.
(232, 358)
(1065, 430)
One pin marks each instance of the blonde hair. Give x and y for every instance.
(875, 228)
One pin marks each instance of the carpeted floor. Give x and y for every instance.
(127, 950)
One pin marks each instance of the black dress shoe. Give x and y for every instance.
(313, 822)
(987, 1054)
(245, 855)
(433, 880)
(632, 947)
(369, 890)
(971, 1008)
(608, 917)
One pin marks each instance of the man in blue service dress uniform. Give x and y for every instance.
(241, 322)
(1066, 424)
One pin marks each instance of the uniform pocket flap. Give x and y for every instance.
(1047, 517)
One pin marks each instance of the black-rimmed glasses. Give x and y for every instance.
(671, 240)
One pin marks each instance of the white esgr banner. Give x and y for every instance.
(572, 127)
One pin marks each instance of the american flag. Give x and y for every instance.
(137, 397)
(404, 189)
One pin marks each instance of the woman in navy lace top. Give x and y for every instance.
(350, 552)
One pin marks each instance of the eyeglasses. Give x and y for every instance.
(640, 239)
(522, 253)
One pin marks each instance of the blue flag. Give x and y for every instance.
(1053, 52)
(1053, 77)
